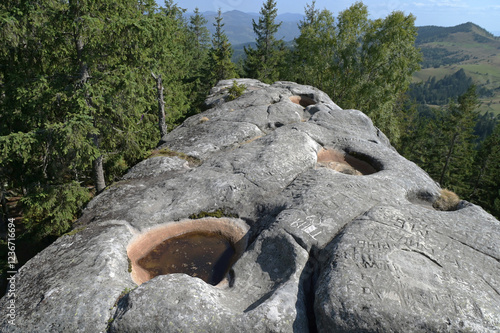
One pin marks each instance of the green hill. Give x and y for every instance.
(466, 46)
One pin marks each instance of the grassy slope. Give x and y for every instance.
(483, 64)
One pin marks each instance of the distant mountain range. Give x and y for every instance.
(446, 50)
(239, 30)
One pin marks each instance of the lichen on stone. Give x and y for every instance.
(171, 153)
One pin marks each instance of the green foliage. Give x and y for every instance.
(124, 292)
(439, 92)
(314, 49)
(201, 35)
(485, 125)
(50, 210)
(76, 88)
(459, 151)
(235, 91)
(443, 142)
(486, 184)
(266, 60)
(360, 63)
(200, 38)
(219, 65)
(440, 56)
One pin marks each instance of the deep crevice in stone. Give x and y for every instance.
(309, 278)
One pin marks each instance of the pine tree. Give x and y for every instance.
(76, 97)
(444, 143)
(200, 45)
(170, 58)
(265, 61)
(201, 40)
(219, 64)
(486, 180)
(457, 163)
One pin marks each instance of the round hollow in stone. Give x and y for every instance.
(421, 198)
(345, 163)
(204, 248)
(303, 101)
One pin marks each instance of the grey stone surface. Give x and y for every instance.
(329, 250)
(265, 296)
(409, 269)
(218, 94)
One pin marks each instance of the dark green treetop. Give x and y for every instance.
(219, 65)
(265, 61)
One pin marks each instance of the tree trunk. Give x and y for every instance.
(479, 178)
(97, 169)
(97, 164)
(161, 106)
(100, 183)
(448, 159)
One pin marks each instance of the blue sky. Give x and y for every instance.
(485, 13)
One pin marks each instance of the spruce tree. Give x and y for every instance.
(76, 97)
(265, 61)
(201, 35)
(444, 143)
(486, 181)
(169, 56)
(457, 162)
(200, 38)
(219, 64)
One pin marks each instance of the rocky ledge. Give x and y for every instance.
(341, 231)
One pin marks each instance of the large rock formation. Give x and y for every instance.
(342, 233)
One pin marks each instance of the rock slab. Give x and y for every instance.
(342, 233)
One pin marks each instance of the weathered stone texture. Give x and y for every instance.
(348, 242)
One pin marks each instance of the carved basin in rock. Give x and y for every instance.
(303, 101)
(344, 162)
(204, 248)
